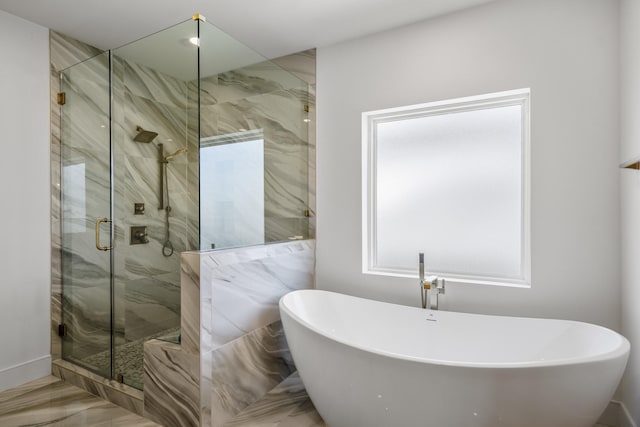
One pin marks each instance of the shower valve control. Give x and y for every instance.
(138, 208)
(138, 235)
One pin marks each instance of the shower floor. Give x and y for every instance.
(129, 357)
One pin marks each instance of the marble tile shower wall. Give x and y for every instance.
(147, 283)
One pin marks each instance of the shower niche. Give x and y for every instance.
(184, 140)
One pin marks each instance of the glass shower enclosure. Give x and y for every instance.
(184, 140)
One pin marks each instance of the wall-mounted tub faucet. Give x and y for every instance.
(430, 287)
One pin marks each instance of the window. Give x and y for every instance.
(74, 202)
(450, 179)
(232, 190)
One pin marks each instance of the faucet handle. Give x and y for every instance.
(430, 282)
(440, 288)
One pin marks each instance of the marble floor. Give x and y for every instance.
(287, 405)
(50, 401)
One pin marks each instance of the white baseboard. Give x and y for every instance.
(611, 415)
(617, 415)
(14, 376)
(625, 417)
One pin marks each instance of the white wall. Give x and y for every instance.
(630, 198)
(24, 215)
(567, 53)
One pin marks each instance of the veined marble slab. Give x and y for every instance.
(301, 64)
(230, 326)
(246, 369)
(172, 387)
(248, 283)
(245, 353)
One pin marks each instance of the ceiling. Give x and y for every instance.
(271, 27)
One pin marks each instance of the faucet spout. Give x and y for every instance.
(429, 286)
(421, 278)
(437, 288)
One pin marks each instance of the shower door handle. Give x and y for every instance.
(98, 245)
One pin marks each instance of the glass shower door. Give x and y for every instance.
(86, 209)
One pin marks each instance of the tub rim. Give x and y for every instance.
(621, 351)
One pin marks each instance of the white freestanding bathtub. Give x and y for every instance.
(369, 363)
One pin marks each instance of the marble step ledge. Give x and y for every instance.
(120, 394)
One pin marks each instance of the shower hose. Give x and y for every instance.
(167, 247)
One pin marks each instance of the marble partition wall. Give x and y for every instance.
(233, 348)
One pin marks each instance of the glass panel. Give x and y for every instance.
(155, 153)
(86, 196)
(242, 92)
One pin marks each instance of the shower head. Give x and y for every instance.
(144, 135)
(172, 155)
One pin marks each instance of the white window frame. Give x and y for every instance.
(370, 120)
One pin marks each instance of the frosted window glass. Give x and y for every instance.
(74, 204)
(232, 188)
(449, 184)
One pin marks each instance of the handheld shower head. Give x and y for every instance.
(144, 135)
(176, 153)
